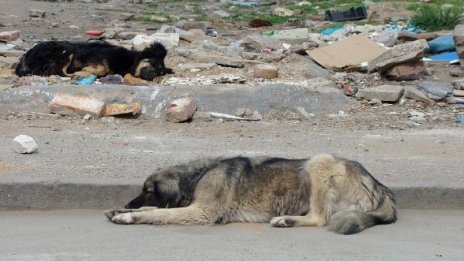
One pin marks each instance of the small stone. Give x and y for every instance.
(87, 117)
(73, 27)
(243, 112)
(375, 101)
(385, 93)
(436, 90)
(181, 110)
(158, 19)
(8, 36)
(266, 71)
(123, 109)
(67, 104)
(281, 11)
(221, 13)
(292, 34)
(36, 13)
(458, 93)
(194, 66)
(458, 84)
(417, 116)
(456, 71)
(406, 71)
(24, 144)
(412, 92)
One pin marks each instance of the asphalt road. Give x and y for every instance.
(87, 235)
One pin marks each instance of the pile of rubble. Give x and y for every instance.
(373, 63)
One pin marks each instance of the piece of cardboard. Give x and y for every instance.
(349, 53)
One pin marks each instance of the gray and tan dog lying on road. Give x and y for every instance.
(324, 190)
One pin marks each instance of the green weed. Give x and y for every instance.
(434, 18)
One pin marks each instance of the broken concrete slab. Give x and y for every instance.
(67, 104)
(402, 53)
(349, 53)
(385, 93)
(436, 90)
(458, 36)
(256, 43)
(406, 71)
(412, 92)
(168, 40)
(301, 66)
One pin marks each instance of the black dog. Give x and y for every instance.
(80, 59)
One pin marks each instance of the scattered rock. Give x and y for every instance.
(292, 34)
(456, 71)
(412, 92)
(406, 71)
(243, 112)
(402, 53)
(458, 36)
(266, 71)
(181, 110)
(436, 90)
(281, 11)
(417, 116)
(123, 109)
(385, 93)
(158, 19)
(8, 36)
(67, 104)
(221, 13)
(375, 102)
(458, 93)
(196, 67)
(168, 40)
(36, 13)
(458, 84)
(73, 27)
(87, 117)
(112, 79)
(187, 25)
(24, 144)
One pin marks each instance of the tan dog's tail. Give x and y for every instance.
(352, 222)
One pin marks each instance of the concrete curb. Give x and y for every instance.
(315, 96)
(47, 195)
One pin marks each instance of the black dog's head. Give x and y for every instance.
(159, 190)
(152, 62)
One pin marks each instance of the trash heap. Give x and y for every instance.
(375, 63)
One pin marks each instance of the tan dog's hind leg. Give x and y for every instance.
(321, 169)
(190, 215)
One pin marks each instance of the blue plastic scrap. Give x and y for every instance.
(253, 3)
(442, 43)
(87, 80)
(444, 57)
(331, 30)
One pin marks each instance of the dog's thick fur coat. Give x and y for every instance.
(80, 59)
(322, 191)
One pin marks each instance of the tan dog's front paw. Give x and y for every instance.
(125, 218)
